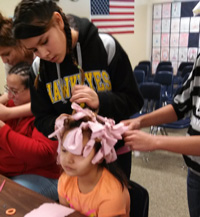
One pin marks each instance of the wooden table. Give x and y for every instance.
(22, 199)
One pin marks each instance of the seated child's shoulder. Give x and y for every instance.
(110, 182)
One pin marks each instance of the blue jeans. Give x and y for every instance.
(40, 184)
(193, 192)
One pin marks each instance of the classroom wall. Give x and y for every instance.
(137, 45)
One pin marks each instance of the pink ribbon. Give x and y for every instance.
(107, 133)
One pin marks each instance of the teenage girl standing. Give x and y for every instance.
(65, 46)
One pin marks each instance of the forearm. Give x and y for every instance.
(188, 145)
(163, 115)
(16, 112)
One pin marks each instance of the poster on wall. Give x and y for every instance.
(176, 9)
(174, 40)
(157, 11)
(164, 54)
(165, 25)
(156, 40)
(176, 33)
(194, 24)
(175, 25)
(165, 40)
(183, 41)
(174, 54)
(156, 26)
(166, 11)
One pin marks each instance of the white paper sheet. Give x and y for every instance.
(50, 210)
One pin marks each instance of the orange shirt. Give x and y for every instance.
(105, 200)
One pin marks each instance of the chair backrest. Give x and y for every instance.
(185, 77)
(165, 78)
(151, 93)
(139, 75)
(186, 69)
(145, 62)
(164, 68)
(182, 65)
(145, 68)
(164, 63)
(148, 63)
(139, 200)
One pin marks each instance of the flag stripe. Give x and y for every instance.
(121, 4)
(121, 10)
(121, 17)
(112, 19)
(118, 30)
(120, 13)
(122, 1)
(113, 16)
(121, 32)
(117, 26)
(114, 23)
(127, 7)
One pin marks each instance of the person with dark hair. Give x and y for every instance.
(11, 53)
(65, 45)
(11, 50)
(27, 156)
(91, 183)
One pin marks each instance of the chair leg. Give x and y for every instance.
(163, 131)
(153, 130)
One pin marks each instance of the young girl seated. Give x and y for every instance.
(90, 183)
(26, 155)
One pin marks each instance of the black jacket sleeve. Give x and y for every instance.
(42, 107)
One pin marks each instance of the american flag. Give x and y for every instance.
(113, 16)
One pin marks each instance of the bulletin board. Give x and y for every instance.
(175, 33)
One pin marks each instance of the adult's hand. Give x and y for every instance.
(132, 124)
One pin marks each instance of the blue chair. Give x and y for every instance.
(164, 63)
(180, 124)
(139, 75)
(145, 68)
(139, 200)
(183, 76)
(168, 68)
(149, 73)
(178, 77)
(186, 69)
(165, 78)
(151, 93)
